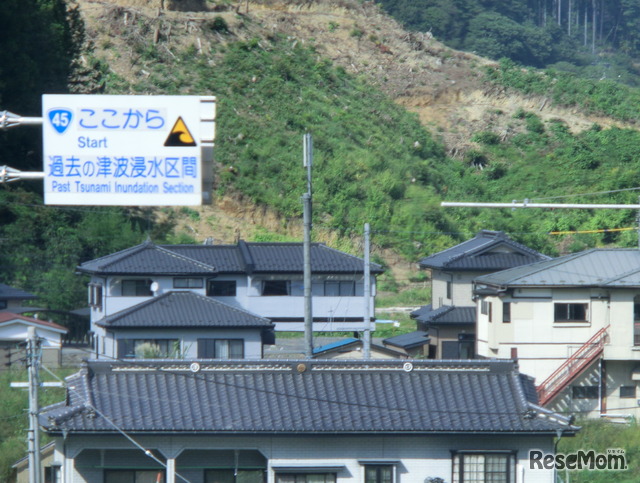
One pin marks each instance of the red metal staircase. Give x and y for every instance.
(572, 367)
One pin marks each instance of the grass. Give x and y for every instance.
(411, 297)
(601, 436)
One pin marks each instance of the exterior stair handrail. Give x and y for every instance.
(572, 367)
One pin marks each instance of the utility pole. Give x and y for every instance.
(306, 200)
(33, 364)
(33, 433)
(367, 294)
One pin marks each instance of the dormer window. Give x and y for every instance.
(137, 288)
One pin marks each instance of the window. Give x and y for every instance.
(221, 288)
(483, 467)
(305, 478)
(95, 295)
(342, 289)
(627, 392)
(136, 288)
(485, 309)
(378, 474)
(231, 476)
(185, 282)
(134, 476)
(276, 287)
(220, 348)
(570, 312)
(3, 304)
(148, 348)
(449, 290)
(584, 392)
(506, 312)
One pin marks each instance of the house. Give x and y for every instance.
(450, 318)
(412, 344)
(352, 348)
(278, 421)
(11, 298)
(574, 324)
(49, 466)
(226, 296)
(14, 331)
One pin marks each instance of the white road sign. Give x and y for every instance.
(127, 150)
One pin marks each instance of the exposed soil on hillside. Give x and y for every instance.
(443, 86)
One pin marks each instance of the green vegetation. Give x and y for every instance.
(602, 97)
(601, 436)
(571, 35)
(14, 416)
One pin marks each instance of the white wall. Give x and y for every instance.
(419, 457)
(248, 298)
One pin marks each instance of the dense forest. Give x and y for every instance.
(598, 38)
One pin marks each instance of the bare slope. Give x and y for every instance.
(442, 85)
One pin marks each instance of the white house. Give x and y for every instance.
(450, 318)
(574, 324)
(14, 331)
(308, 421)
(129, 290)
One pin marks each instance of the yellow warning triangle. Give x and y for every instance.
(180, 135)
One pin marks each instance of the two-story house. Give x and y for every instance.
(219, 300)
(450, 320)
(305, 421)
(574, 324)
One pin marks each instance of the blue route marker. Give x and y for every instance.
(60, 119)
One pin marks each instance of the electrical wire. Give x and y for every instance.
(291, 395)
(147, 452)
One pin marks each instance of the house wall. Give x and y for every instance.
(615, 375)
(108, 341)
(418, 457)
(332, 309)
(461, 288)
(443, 333)
(543, 345)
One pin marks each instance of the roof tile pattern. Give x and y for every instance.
(241, 258)
(487, 251)
(146, 259)
(300, 397)
(181, 310)
(445, 315)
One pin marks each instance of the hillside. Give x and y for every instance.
(446, 88)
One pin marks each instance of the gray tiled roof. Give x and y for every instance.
(11, 293)
(487, 251)
(446, 315)
(416, 338)
(595, 268)
(144, 259)
(182, 310)
(241, 258)
(298, 397)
